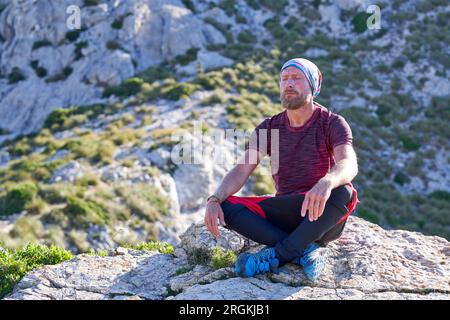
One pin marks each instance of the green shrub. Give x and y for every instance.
(145, 201)
(246, 37)
(63, 75)
(105, 152)
(113, 45)
(189, 4)
(359, 22)
(183, 270)
(128, 88)
(229, 6)
(41, 43)
(78, 47)
(15, 76)
(40, 71)
(14, 265)
(73, 35)
(92, 2)
(189, 56)
(17, 198)
(222, 259)
(161, 247)
(275, 6)
(84, 213)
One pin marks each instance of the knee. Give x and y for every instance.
(341, 195)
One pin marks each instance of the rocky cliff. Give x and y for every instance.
(367, 262)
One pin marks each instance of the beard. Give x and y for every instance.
(295, 102)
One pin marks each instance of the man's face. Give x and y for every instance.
(295, 91)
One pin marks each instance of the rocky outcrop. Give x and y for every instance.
(367, 262)
(63, 67)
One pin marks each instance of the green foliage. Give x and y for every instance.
(41, 43)
(229, 6)
(359, 22)
(161, 247)
(78, 47)
(189, 56)
(190, 5)
(15, 75)
(73, 35)
(113, 45)
(128, 88)
(84, 213)
(222, 259)
(275, 6)
(183, 270)
(92, 2)
(145, 201)
(63, 75)
(14, 265)
(246, 37)
(17, 198)
(40, 71)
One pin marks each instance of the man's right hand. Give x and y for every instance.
(213, 213)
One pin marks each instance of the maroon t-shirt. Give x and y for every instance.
(305, 153)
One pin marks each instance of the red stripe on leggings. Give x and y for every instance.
(252, 203)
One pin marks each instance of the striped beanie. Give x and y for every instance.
(310, 70)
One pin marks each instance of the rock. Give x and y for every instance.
(151, 32)
(92, 277)
(69, 172)
(367, 262)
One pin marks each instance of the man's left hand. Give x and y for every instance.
(316, 198)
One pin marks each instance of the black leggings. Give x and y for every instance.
(284, 228)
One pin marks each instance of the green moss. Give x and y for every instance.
(17, 198)
(14, 265)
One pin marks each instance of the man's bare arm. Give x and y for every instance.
(346, 167)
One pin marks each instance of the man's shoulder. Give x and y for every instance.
(273, 121)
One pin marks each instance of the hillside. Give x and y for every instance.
(87, 116)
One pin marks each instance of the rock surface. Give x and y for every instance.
(36, 33)
(367, 262)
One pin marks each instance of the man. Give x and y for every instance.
(314, 195)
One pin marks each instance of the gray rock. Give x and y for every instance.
(154, 32)
(69, 172)
(367, 262)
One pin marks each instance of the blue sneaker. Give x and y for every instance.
(313, 261)
(249, 264)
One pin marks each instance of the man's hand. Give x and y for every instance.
(213, 212)
(316, 198)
